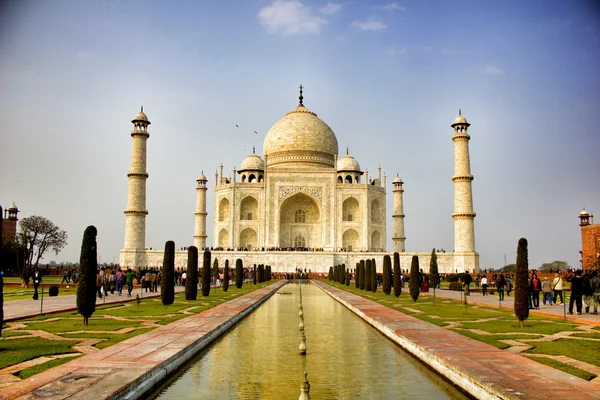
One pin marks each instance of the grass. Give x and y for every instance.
(569, 369)
(16, 351)
(512, 325)
(36, 369)
(578, 349)
(495, 340)
(12, 293)
(64, 324)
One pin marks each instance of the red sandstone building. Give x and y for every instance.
(9, 224)
(590, 241)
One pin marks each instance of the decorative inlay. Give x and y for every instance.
(285, 191)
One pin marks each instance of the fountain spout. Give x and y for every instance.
(305, 388)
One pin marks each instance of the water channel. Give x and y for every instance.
(346, 358)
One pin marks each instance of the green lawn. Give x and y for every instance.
(501, 324)
(566, 368)
(102, 325)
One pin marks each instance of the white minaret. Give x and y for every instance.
(200, 231)
(464, 229)
(135, 214)
(399, 239)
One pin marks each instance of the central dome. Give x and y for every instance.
(300, 139)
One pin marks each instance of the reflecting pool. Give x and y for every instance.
(346, 358)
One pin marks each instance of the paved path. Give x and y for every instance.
(19, 309)
(132, 367)
(508, 303)
(482, 370)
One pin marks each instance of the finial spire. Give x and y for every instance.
(253, 150)
(459, 112)
(142, 109)
(301, 97)
(346, 150)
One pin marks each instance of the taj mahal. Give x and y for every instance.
(301, 205)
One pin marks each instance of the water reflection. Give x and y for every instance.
(346, 358)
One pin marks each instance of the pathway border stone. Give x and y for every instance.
(133, 367)
(479, 369)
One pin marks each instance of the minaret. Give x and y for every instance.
(464, 229)
(135, 214)
(200, 231)
(399, 239)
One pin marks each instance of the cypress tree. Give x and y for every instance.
(226, 276)
(88, 268)
(259, 278)
(373, 276)
(343, 282)
(434, 275)
(206, 273)
(356, 276)
(387, 274)
(330, 273)
(167, 288)
(414, 278)
(397, 275)
(347, 278)
(362, 274)
(215, 270)
(269, 273)
(521, 304)
(368, 280)
(239, 273)
(1, 277)
(255, 278)
(191, 281)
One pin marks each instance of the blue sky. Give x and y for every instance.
(388, 77)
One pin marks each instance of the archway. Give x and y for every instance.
(350, 240)
(376, 240)
(224, 209)
(299, 215)
(376, 211)
(248, 239)
(223, 238)
(249, 209)
(351, 210)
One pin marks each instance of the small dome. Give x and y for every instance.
(13, 208)
(460, 119)
(202, 177)
(141, 116)
(348, 163)
(584, 213)
(252, 163)
(397, 180)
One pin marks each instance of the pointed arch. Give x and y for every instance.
(376, 212)
(375, 240)
(224, 211)
(351, 210)
(249, 209)
(350, 240)
(223, 238)
(248, 238)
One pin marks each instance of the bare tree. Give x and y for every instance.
(39, 234)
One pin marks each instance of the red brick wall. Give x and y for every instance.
(590, 245)
(9, 230)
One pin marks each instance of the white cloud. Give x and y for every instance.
(290, 18)
(396, 51)
(331, 8)
(370, 25)
(491, 69)
(393, 7)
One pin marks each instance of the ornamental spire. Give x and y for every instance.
(301, 97)
(253, 150)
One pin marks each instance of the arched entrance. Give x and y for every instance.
(350, 240)
(299, 223)
(248, 239)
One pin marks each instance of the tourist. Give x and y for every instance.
(65, 276)
(576, 292)
(557, 286)
(183, 277)
(120, 278)
(509, 285)
(484, 285)
(588, 292)
(147, 282)
(99, 283)
(595, 282)
(547, 291)
(536, 288)
(153, 281)
(37, 279)
(129, 281)
(500, 285)
(467, 283)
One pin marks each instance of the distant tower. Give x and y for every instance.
(200, 231)
(464, 229)
(584, 218)
(135, 214)
(399, 239)
(9, 223)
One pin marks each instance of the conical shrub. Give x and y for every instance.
(521, 285)
(397, 275)
(387, 274)
(167, 288)
(191, 280)
(414, 278)
(206, 273)
(239, 273)
(226, 276)
(88, 267)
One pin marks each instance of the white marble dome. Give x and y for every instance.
(141, 116)
(348, 163)
(460, 119)
(252, 163)
(300, 139)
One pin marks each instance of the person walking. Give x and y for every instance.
(595, 282)
(120, 278)
(99, 284)
(576, 292)
(557, 287)
(484, 285)
(467, 283)
(154, 281)
(547, 291)
(65, 276)
(588, 292)
(500, 285)
(37, 280)
(536, 288)
(129, 281)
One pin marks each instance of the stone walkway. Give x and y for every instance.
(19, 309)
(132, 367)
(480, 369)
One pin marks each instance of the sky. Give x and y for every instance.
(387, 77)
